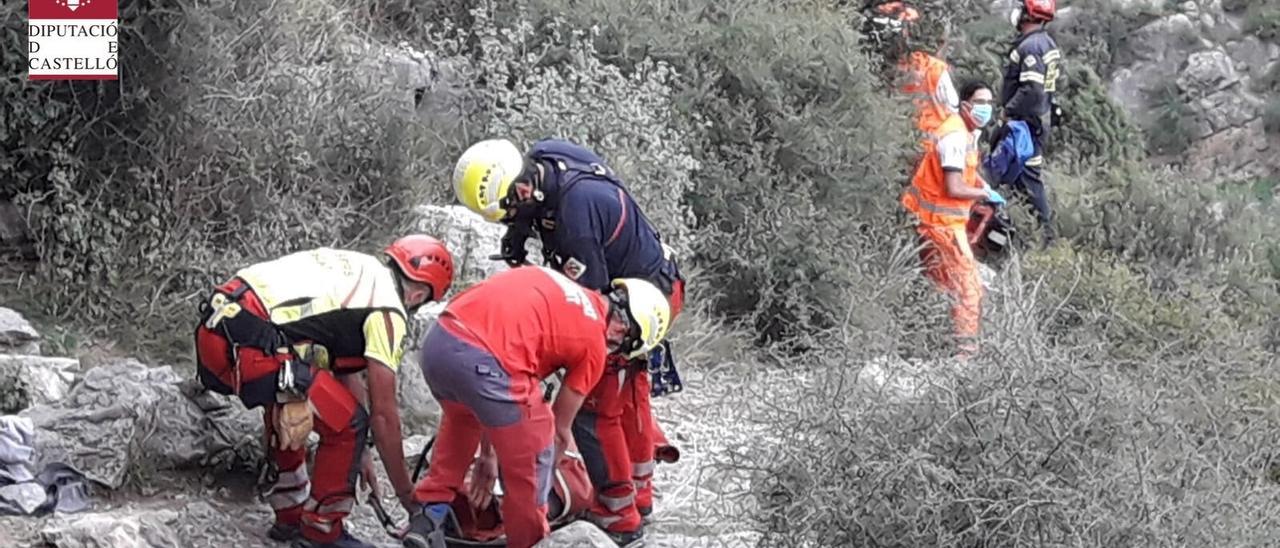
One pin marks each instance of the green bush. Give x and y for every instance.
(1116, 405)
(1123, 397)
(224, 147)
(1173, 129)
(1263, 19)
(747, 121)
(1039, 447)
(1109, 309)
(1126, 210)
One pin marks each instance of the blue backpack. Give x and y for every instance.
(1007, 159)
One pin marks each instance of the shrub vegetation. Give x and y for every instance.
(1124, 400)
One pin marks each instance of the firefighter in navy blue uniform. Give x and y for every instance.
(1030, 82)
(593, 231)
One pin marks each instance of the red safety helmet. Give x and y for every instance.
(1039, 10)
(901, 11)
(890, 19)
(424, 259)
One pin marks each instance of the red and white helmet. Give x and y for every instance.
(888, 20)
(424, 259)
(1040, 11)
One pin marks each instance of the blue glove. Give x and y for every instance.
(994, 197)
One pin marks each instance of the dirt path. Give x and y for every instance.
(704, 500)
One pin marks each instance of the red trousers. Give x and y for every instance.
(318, 504)
(618, 437)
(478, 398)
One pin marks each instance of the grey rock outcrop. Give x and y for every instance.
(125, 417)
(419, 411)
(470, 239)
(150, 528)
(579, 534)
(17, 336)
(1206, 73)
(27, 380)
(1201, 56)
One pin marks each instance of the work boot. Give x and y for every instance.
(343, 541)
(284, 532)
(645, 512)
(426, 527)
(631, 539)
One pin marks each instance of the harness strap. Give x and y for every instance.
(250, 330)
(622, 219)
(238, 292)
(244, 328)
(566, 164)
(344, 364)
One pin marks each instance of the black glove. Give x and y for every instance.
(513, 251)
(1057, 116)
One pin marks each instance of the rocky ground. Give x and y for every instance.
(173, 466)
(1217, 68)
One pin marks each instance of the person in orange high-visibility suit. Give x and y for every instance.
(924, 76)
(944, 188)
(929, 83)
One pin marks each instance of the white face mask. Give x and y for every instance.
(1014, 15)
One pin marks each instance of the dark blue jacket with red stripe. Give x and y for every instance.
(591, 228)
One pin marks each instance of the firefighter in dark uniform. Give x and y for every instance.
(1030, 82)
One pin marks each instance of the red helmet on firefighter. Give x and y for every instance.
(889, 21)
(424, 259)
(1040, 11)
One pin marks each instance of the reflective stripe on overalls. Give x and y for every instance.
(927, 196)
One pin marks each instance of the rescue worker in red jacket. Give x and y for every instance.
(593, 231)
(484, 360)
(292, 335)
(945, 186)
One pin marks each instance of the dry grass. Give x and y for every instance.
(1028, 446)
(1125, 400)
